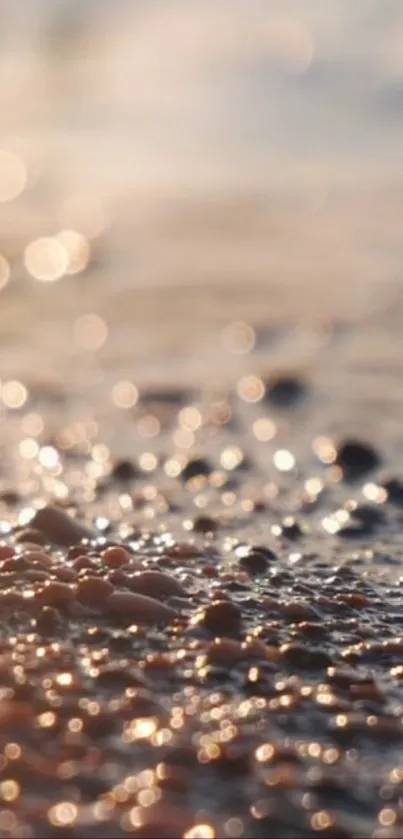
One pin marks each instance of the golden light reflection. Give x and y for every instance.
(12, 751)
(322, 820)
(13, 175)
(90, 331)
(387, 817)
(200, 831)
(28, 448)
(63, 814)
(125, 394)
(324, 449)
(9, 790)
(140, 729)
(14, 394)
(250, 388)
(148, 461)
(77, 249)
(231, 457)
(375, 493)
(5, 272)
(49, 457)
(46, 259)
(264, 429)
(283, 460)
(190, 418)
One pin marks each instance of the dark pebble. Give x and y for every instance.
(199, 467)
(60, 528)
(394, 488)
(222, 617)
(256, 561)
(124, 470)
(204, 524)
(285, 391)
(48, 620)
(291, 529)
(355, 459)
(311, 658)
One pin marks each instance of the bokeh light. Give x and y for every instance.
(46, 259)
(77, 249)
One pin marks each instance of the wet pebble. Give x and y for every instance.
(284, 391)
(60, 528)
(199, 467)
(356, 459)
(221, 617)
(138, 608)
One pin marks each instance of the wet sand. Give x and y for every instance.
(202, 638)
(201, 459)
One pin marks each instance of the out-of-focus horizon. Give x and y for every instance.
(242, 158)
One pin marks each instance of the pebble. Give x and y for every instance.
(56, 594)
(156, 584)
(93, 591)
(284, 391)
(138, 608)
(199, 467)
(221, 617)
(356, 459)
(256, 561)
(116, 557)
(124, 470)
(204, 524)
(31, 534)
(394, 488)
(48, 620)
(60, 528)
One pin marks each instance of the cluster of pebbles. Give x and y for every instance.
(192, 681)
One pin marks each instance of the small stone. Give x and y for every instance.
(93, 591)
(297, 611)
(116, 557)
(394, 488)
(310, 658)
(256, 561)
(30, 534)
(204, 524)
(60, 528)
(222, 617)
(156, 584)
(291, 529)
(124, 470)
(199, 467)
(56, 594)
(225, 652)
(138, 608)
(48, 620)
(355, 459)
(285, 391)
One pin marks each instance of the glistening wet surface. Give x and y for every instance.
(201, 461)
(202, 638)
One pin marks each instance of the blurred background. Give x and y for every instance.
(172, 170)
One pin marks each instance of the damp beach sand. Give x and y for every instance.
(201, 451)
(202, 640)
